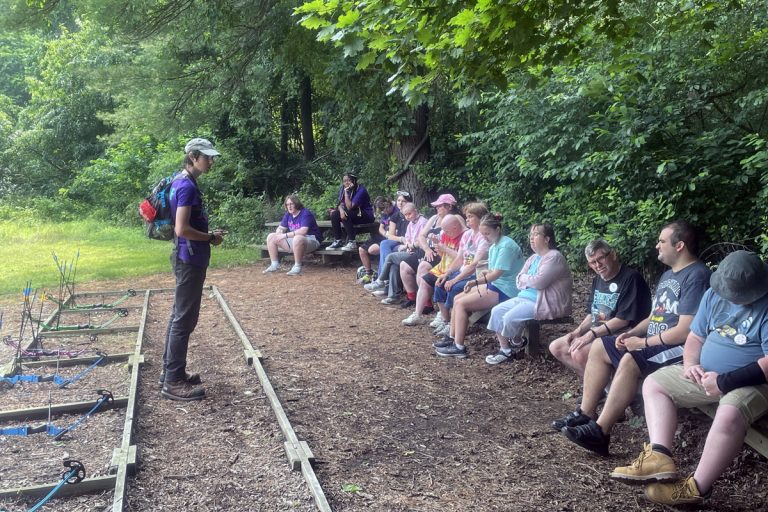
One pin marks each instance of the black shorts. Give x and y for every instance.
(430, 279)
(373, 240)
(648, 359)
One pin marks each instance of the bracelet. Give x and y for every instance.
(608, 329)
(662, 340)
(646, 342)
(594, 333)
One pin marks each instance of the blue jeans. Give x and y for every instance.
(184, 315)
(385, 248)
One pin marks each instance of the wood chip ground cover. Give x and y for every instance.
(393, 427)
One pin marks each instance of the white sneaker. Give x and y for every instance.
(437, 322)
(270, 269)
(375, 285)
(415, 319)
(295, 270)
(380, 293)
(351, 246)
(445, 330)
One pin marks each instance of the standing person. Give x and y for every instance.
(725, 362)
(652, 344)
(189, 260)
(620, 299)
(353, 207)
(298, 232)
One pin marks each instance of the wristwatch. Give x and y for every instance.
(211, 238)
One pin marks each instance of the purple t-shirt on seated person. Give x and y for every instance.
(360, 199)
(184, 192)
(304, 218)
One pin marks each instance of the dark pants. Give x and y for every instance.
(184, 315)
(348, 224)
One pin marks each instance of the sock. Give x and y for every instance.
(661, 449)
(506, 351)
(429, 304)
(275, 263)
(458, 346)
(410, 295)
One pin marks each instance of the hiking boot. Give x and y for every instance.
(589, 436)
(649, 466)
(183, 391)
(270, 269)
(190, 378)
(407, 303)
(681, 492)
(295, 271)
(415, 319)
(350, 246)
(437, 322)
(499, 357)
(375, 285)
(572, 419)
(445, 341)
(335, 245)
(452, 351)
(389, 301)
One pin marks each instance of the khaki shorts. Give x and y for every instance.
(752, 401)
(312, 243)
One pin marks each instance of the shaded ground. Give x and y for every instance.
(393, 427)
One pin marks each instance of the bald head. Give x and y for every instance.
(452, 226)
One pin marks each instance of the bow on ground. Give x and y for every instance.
(119, 313)
(56, 379)
(36, 353)
(75, 473)
(54, 431)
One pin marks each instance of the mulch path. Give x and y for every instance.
(393, 427)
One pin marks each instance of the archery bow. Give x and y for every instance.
(56, 379)
(74, 474)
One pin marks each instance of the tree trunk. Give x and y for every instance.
(285, 124)
(305, 112)
(414, 149)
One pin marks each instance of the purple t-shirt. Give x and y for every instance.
(360, 199)
(184, 192)
(304, 218)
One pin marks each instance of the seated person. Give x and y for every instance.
(497, 284)
(297, 233)
(444, 250)
(473, 248)
(390, 221)
(546, 289)
(619, 300)
(388, 284)
(725, 362)
(389, 245)
(652, 344)
(353, 207)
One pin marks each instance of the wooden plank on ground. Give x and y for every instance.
(36, 413)
(88, 485)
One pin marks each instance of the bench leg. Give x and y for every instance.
(534, 341)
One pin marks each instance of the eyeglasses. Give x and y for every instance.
(289, 204)
(598, 260)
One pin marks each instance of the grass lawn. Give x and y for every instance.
(105, 252)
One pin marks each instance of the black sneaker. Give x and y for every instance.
(407, 303)
(445, 341)
(452, 351)
(428, 310)
(572, 419)
(183, 391)
(189, 378)
(335, 245)
(589, 436)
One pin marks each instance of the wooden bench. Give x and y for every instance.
(757, 434)
(326, 256)
(532, 327)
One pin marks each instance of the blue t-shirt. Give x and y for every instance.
(531, 293)
(184, 192)
(678, 293)
(734, 335)
(506, 255)
(304, 218)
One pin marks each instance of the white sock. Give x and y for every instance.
(506, 351)
(275, 263)
(458, 346)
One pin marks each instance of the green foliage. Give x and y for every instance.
(244, 218)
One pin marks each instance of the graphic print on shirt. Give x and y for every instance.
(603, 305)
(665, 307)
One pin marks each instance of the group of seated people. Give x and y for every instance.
(701, 339)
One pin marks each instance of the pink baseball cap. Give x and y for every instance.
(445, 199)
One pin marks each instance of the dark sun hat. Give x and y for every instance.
(741, 278)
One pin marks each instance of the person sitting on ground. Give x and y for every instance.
(546, 288)
(447, 250)
(412, 266)
(497, 284)
(652, 344)
(297, 233)
(392, 226)
(725, 362)
(619, 300)
(353, 207)
(473, 248)
(388, 284)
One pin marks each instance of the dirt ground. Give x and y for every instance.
(393, 427)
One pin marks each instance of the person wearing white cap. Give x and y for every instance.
(725, 362)
(189, 260)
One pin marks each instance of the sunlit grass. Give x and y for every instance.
(105, 252)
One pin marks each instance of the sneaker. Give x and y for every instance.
(380, 293)
(390, 301)
(415, 319)
(366, 279)
(335, 245)
(190, 378)
(589, 436)
(572, 419)
(407, 303)
(350, 246)
(682, 492)
(438, 322)
(375, 285)
(499, 357)
(649, 466)
(270, 269)
(445, 341)
(452, 351)
(445, 330)
(295, 270)
(428, 310)
(183, 391)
